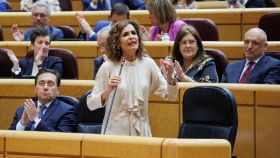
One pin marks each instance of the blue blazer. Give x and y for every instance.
(3, 6)
(56, 34)
(51, 62)
(98, 26)
(132, 4)
(266, 71)
(59, 117)
(97, 63)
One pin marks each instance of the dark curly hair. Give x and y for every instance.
(114, 52)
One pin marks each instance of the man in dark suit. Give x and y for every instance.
(256, 67)
(29, 66)
(40, 17)
(93, 5)
(118, 13)
(48, 113)
(101, 41)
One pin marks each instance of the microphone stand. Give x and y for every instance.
(113, 98)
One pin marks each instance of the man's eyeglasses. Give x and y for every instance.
(42, 15)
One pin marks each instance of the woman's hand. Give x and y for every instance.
(145, 34)
(83, 24)
(17, 33)
(112, 84)
(180, 73)
(167, 66)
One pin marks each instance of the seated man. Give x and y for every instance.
(119, 13)
(101, 41)
(40, 17)
(93, 5)
(256, 67)
(29, 66)
(27, 4)
(48, 113)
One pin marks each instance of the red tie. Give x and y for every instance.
(247, 73)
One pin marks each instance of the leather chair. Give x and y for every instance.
(1, 34)
(66, 99)
(209, 112)
(70, 64)
(69, 32)
(275, 55)
(65, 5)
(89, 121)
(5, 64)
(206, 28)
(270, 24)
(220, 60)
(270, 4)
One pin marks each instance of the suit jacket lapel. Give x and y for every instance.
(29, 65)
(258, 66)
(239, 71)
(50, 110)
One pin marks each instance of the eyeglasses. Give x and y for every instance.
(42, 15)
(49, 84)
(186, 42)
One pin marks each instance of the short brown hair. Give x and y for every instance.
(113, 49)
(163, 10)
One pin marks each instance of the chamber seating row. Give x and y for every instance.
(87, 51)
(230, 29)
(258, 112)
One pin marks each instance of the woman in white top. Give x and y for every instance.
(27, 4)
(127, 114)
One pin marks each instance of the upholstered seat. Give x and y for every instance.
(89, 121)
(270, 24)
(65, 5)
(1, 34)
(220, 60)
(68, 31)
(5, 64)
(206, 28)
(209, 112)
(70, 64)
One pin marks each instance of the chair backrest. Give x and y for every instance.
(270, 24)
(68, 31)
(206, 28)
(209, 112)
(270, 4)
(5, 64)
(89, 121)
(66, 99)
(70, 64)
(275, 55)
(220, 60)
(1, 34)
(66, 5)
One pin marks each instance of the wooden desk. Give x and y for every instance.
(258, 112)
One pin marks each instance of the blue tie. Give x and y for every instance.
(40, 114)
(42, 108)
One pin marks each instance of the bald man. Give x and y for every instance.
(256, 67)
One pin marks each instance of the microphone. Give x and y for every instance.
(113, 98)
